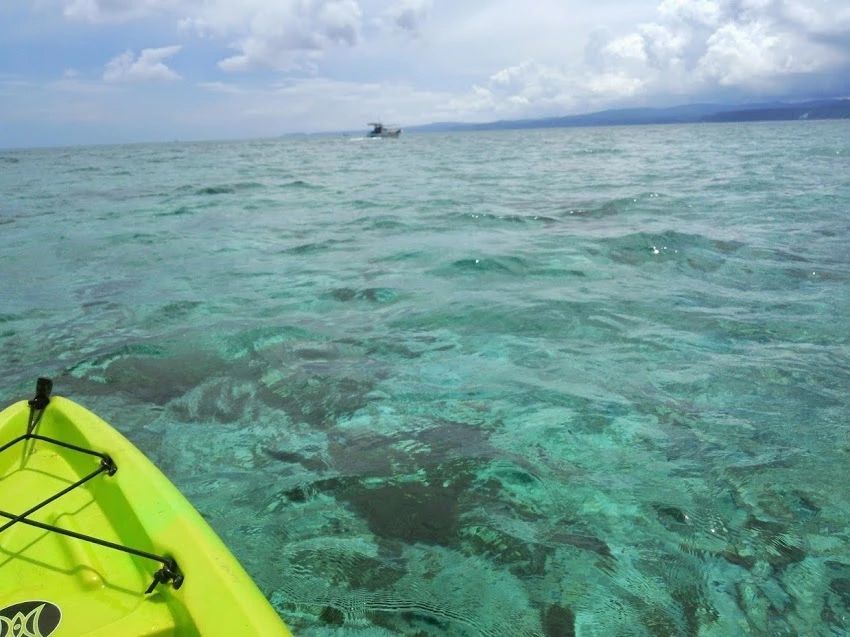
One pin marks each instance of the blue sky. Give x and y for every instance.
(102, 71)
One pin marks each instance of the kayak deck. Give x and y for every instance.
(99, 590)
(51, 566)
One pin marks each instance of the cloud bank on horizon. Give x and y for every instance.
(73, 71)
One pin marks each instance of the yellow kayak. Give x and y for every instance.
(95, 541)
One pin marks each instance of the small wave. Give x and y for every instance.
(407, 255)
(365, 204)
(696, 250)
(609, 208)
(598, 150)
(496, 265)
(373, 295)
(178, 309)
(604, 211)
(229, 189)
(313, 246)
(9, 160)
(143, 238)
(259, 339)
(182, 210)
(83, 169)
(531, 219)
(215, 190)
(378, 223)
(300, 183)
(513, 219)
(249, 185)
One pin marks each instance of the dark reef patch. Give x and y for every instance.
(316, 399)
(411, 512)
(310, 463)
(673, 518)
(521, 557)
(332, 616)
(151, 372)
(841, 587)
(583, 541)
(558, 621)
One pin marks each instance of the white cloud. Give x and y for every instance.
(276, 34)
(409, 15)
(147, 67)
(664, 47)
(111, 10)
(829, 17)
(529, 85)
(702, 12)
(282, 35)
(614, 85)
(746, 53)
(630, 47)
(693, 48)
(221, 87)
(696, 46)
(532, 89)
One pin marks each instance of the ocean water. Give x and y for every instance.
(561, 382)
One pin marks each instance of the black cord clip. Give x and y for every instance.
(43, 387)
(108, 465)
(169, 572)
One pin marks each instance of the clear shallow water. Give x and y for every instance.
(587, 382)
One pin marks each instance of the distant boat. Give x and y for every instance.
(379, 130)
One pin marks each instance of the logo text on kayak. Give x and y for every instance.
(29, 619)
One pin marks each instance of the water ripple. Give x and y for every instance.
(520, 383)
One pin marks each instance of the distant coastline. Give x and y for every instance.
(686, 114)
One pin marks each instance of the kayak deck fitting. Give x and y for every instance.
(96, 541)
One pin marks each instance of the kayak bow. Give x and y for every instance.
(96, 541)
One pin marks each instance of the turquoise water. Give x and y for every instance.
(563, 382)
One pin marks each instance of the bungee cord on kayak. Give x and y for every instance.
(169, 572)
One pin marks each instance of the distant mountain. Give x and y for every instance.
(686, 114)
(823, 109)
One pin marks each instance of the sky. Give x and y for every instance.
(114, 71)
